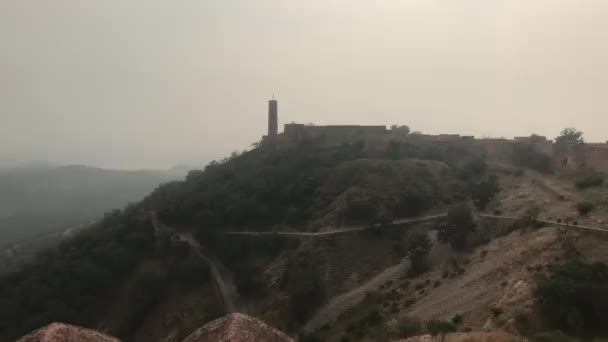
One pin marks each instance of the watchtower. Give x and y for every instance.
(273, 120)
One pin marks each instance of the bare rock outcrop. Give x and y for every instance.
(237, 328)
(230, 328)
(58, 332)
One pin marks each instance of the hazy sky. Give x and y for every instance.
(151, 83)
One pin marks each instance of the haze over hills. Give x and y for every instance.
(415, 184)
(328, 233)
(38, 197)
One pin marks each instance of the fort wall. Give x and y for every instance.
(377, 139)
(332, 135)
(591, 156)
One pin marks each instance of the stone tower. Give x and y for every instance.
(273, 120)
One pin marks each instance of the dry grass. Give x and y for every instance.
(482, 337)
(497, 336)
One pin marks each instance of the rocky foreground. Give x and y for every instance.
(230, 328)
(234, 328)
(58, 332)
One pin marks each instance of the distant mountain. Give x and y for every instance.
(39, 198)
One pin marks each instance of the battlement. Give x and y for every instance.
(331, 135)
(377, 139)
(596, 145)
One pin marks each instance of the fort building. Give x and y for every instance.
(377, 139)
(333, 135)
(273, 118)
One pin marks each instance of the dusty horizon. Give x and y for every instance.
(149, 84)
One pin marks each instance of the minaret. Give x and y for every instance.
(273, 120)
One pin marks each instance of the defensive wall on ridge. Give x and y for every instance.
(377, 139)
(590, 156)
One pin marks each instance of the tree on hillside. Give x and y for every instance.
(418, 251)
(476, 166)
(440, 328)
(304, 285)
(459, 224)
(526, 155)
(570, 136)
(484, 192)
(573, 297)
(403, 129)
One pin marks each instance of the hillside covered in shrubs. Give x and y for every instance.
(313, 186)
(303, 187)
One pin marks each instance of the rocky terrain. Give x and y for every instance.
(328, 253)
(230, 328)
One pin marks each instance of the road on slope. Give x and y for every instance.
(339, 231)
(227, 291)
(398, 223)
(221, 276)
(222, 279)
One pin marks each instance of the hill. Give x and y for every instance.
(84, 279)
(311, 187)
(39, 198)
(390, 280)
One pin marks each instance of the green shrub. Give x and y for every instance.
(526, 155)
(522, 322)
(250, 281)
(573, 297)
(457, 319)
(304, 285)
(409, 326)
(588, 180)
(371, 319)
(417, 253)
(440, 328)
(409, 302)
(459, 225)
(399, 250)
(485, 191)
(189, 273)
(585, 207)
(476, 166)
(496, 311)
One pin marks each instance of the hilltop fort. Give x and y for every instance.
(376, 140)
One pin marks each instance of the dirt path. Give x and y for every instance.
(341, 304)
(227, 293)
(222, 277)
(223, 281)
(402, 222)
(341, 231)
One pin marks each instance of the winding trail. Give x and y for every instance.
(398, 223)
(222, 279)
(548, 223)
(226, 291)
(395, 223)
